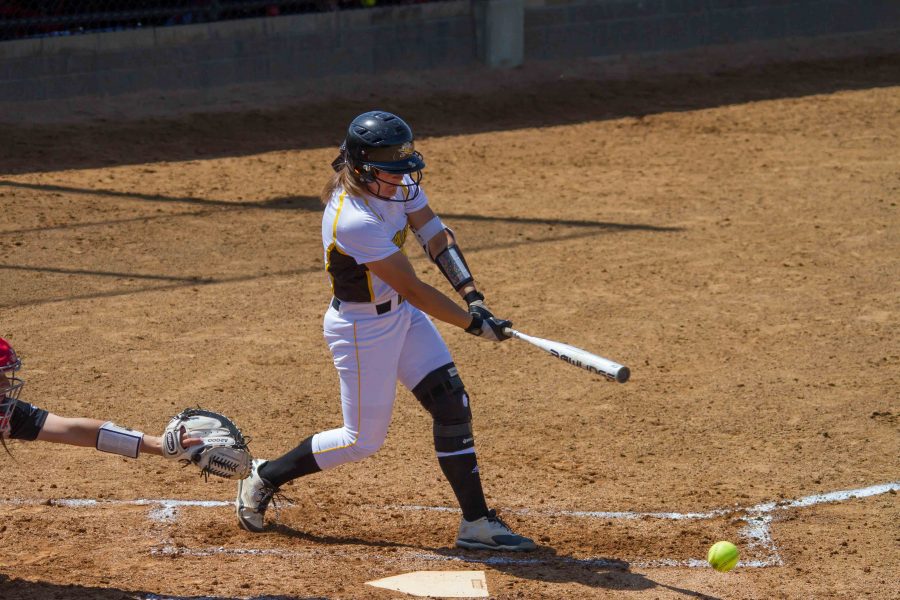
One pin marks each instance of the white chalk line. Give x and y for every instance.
(279, 597)
(756, 533)
(163, 509)
(762, 508)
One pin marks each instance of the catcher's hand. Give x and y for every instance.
(222, 449)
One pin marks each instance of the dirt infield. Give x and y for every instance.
(733, 238)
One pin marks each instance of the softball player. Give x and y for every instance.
(22, 421)
(378, 330)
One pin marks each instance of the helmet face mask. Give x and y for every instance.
(10, 385)
(379, 141)
(8, 399)
(411, 189)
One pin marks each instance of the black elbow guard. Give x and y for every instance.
(453, 265)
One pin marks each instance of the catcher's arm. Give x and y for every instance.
(105, 436)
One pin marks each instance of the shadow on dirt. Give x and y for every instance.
(311, 203)
(298, 203)
(178, 283)
(331, 540)
(569, 229)
(43, 148)
(19, 589)
(543, 565)
(546, 565)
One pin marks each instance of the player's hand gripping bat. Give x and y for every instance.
(576, 356)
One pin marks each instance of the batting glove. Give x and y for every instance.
(490, 328)
(475, 300)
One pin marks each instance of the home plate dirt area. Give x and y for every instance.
(732, 238)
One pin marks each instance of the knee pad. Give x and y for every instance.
(443, 394)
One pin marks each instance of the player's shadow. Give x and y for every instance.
(331, 540)
(20, 589)
(545, 565)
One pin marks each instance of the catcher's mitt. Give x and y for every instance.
(223, 450)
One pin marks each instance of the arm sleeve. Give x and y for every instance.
(365, 240)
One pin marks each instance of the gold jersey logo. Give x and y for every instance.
(400, 237)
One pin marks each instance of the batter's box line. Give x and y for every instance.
(756, 532)
(340, 554)
(163, 509)
(758, 509)
(278, 597)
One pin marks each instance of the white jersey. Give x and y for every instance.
(360, 230)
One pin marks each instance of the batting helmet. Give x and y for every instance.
(382, 141)
(10, 385)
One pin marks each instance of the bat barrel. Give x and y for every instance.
(576, 357)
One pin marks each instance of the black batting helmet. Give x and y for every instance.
(380, 141)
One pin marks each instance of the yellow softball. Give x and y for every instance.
(722, 556)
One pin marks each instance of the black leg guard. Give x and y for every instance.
(461, 471)
(443, 395)
(296, 463)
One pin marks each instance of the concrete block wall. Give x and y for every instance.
(293, 47)
(454, 33)
(556, 29)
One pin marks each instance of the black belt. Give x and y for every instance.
(379, 308)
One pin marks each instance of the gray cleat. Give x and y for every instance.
(491, 533)
(253, 497)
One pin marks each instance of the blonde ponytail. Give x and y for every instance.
(343, 179)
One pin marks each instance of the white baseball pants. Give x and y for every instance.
(371, 353)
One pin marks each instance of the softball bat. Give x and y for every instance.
(576, 356)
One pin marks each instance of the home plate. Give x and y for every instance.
(439, 584)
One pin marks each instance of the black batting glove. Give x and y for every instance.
(490, 328)
(475, 300)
